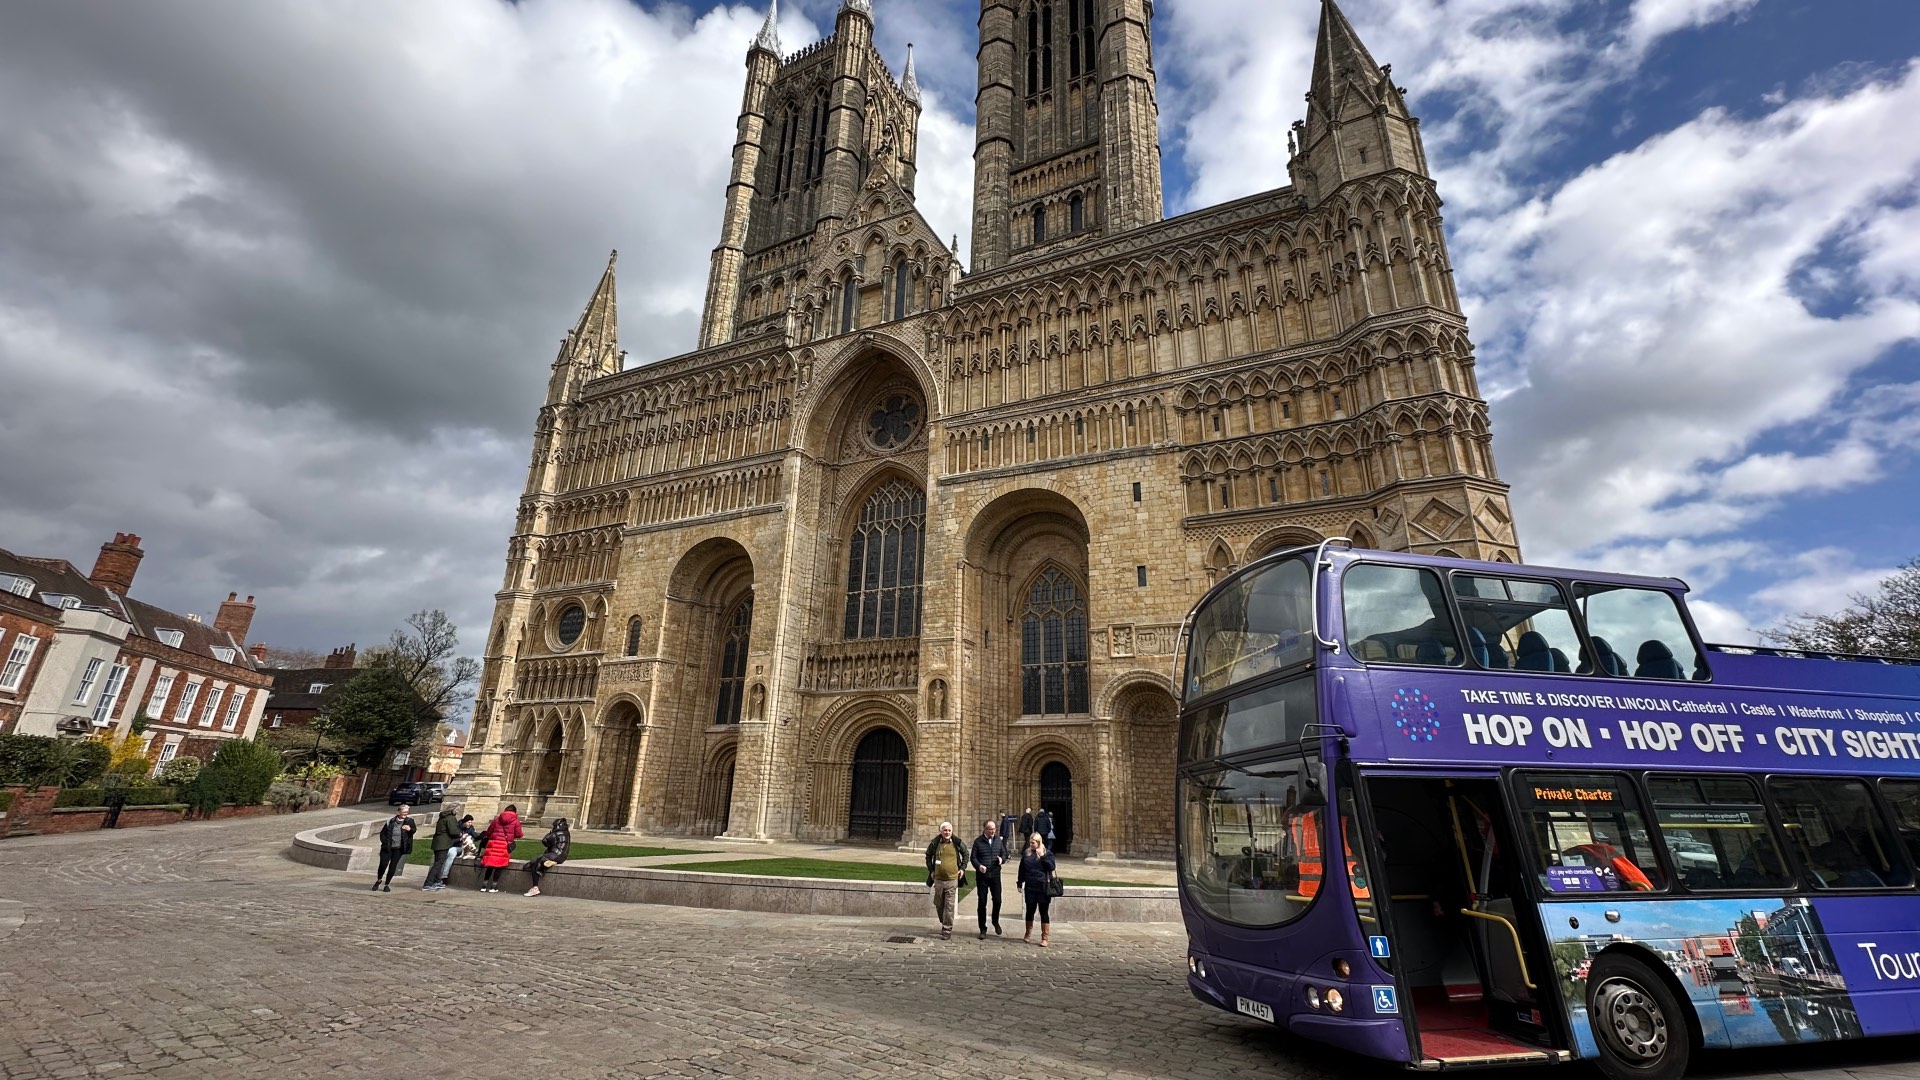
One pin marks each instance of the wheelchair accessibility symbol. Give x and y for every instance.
(1385, 1000)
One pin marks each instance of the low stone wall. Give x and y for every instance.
(33, 811)
(330, 848)
(809, 896)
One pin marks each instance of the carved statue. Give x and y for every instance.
(937, 700)
(758, 707)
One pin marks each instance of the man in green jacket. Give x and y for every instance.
(446, 845)
(946, 875)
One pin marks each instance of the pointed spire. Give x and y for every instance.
(769, 38)
(864, 7)
(601, 317)
(909, 85)
(1338, 55)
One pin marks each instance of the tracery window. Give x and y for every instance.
(883, 564)
(1053, 647)
(817, 137)
(733, 663)
(902, 285)
(848, 301)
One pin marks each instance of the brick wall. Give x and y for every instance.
(29, 806)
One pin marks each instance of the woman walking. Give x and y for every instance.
(1036, 870)
(499, 848)
(556, 842)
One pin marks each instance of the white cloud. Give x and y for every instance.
(1651, 20)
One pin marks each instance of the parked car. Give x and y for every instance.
(416, 794)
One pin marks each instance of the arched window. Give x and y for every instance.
(902, 285)
(783, 164)
(1039, 224)
(1086, 33)
(1076, 213)
(633, 636)
(733, 663)
(883, 564)
(1053, 647)
(1046, 46)
(1073, 39)
(848, 303)
(817, 137)
(1033, 51)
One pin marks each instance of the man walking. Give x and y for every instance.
(396, 843)
(1026, 826)
(946, 875)
(446, 847)
(989, 855)
(1043, 824)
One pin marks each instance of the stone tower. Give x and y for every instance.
(816, 128)
(1066, 126)
(1357, 121)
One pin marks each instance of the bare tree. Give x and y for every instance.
(1884, 623)
(425, 655)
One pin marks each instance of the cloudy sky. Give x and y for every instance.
(280, 282)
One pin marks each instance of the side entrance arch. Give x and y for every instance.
(877, 802)
(1056, 798)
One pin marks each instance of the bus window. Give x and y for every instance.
(1359, 879)
(1518, 625)
(1716, 830)
(1269, 716)
(1588, 834)
(1833, 827)
(1258, 623)
(1398, 615)
(1638, 633)
(1250, 851)
(1903, 797)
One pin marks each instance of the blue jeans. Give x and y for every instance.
(442, 866)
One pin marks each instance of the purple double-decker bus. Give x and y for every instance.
(1451, 813)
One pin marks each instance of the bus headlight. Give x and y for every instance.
(1313, 997)
(1335, 1000)
(1193, 966)
(1342, 968)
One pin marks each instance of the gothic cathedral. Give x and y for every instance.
(902, 542)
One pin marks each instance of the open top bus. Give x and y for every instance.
(1452, 813)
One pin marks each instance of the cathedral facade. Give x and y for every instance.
(900, 542)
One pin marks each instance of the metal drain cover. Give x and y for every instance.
(900, 939)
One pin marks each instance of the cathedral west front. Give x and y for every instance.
(903, 542)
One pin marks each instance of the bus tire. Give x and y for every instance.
(1637, 1021)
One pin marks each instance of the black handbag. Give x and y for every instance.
(1056, 887)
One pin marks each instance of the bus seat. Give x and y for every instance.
(1430, 652)
(1497, 655)
(1371, 649)
(1609, 661)
(1533, 654)
(1560, 661)
(1477, 642)
(1656, 661)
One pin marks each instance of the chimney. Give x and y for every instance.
(118, 561)
(259, 652)
(342, 657)
(236, 616)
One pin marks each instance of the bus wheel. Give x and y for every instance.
(1637, 1022)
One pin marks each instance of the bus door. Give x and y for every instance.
(1468, 962)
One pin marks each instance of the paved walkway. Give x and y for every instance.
(199, 950)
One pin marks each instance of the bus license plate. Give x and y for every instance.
(1257, 1009)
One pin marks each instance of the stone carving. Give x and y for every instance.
(879, 664)
(1122, 639)
(757, 702)
(937, 700)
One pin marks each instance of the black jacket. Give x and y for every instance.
(557, 841)
(397, 835)
(1026, 824)
(959, 857)
(446, 833)
(1043, 824)
(1034, 869)
(990, 853)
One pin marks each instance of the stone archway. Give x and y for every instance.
(716, 791)
(1145, 737)
(616, 765)
(877, 788)
(1056, 798)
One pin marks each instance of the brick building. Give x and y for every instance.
(897, 543)
(297, 695)
(107, 658)
(27, 624)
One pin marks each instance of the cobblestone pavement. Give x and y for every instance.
(201, 951)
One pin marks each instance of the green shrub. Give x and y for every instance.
(240, 772)
(288, 795)
(180, 771)
(93, 796)
(6, 801)
(39, 760)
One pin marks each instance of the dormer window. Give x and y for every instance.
(60, 600)
(318, 688)
(171, 638)
(17, 584)
(223, 654)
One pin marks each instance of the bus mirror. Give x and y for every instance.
(1316, 791)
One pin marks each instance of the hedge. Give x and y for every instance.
(6, 801)
(136, 796)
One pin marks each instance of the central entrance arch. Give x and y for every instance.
(877, 804)
(1056, 798)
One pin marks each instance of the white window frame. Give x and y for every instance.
(239, 698)
(167, 752)
(171, 638)
(19, 658)
(87, 680)
(19, 584)
(276, 719)
(62, 601)
(189, 695)
(157, 698)
(211, 705)
(318, 688)
(223, 654)
(110, 694)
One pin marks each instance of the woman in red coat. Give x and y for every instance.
(499, 848)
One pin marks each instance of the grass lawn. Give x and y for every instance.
(422, 854)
